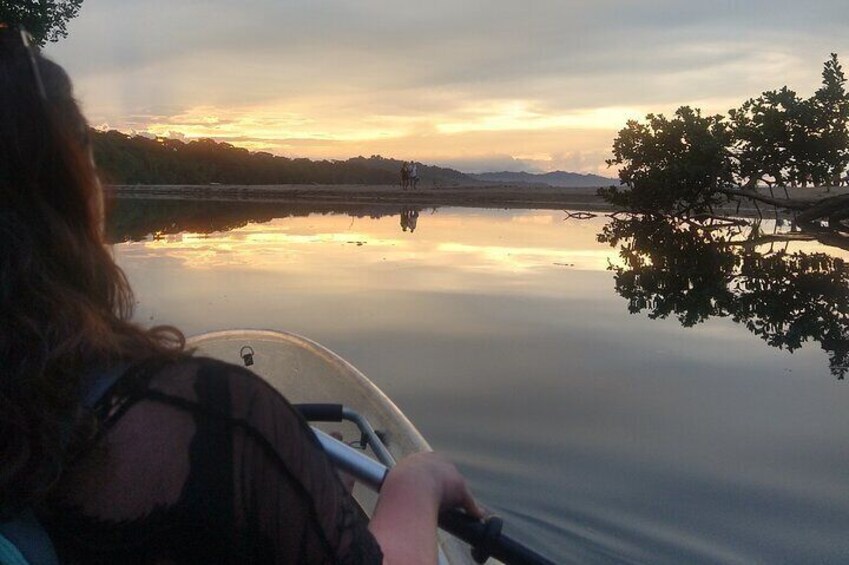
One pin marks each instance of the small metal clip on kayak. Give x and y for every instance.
(247, 355)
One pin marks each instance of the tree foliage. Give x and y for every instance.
(672, 165)
(830, 123)
(780, 139)
(768, 137)
(45, 20)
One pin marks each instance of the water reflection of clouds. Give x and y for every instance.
(525, 259)
(264, 249)
(448, 242)
(538, 219)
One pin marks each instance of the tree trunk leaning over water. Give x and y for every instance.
(787, 203)
(833, 208)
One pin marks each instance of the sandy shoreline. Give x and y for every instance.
(464, 196)
(496, 196)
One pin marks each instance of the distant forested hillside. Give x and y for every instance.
(125, 159)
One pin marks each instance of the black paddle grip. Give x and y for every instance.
(487, 540)
(320, 412)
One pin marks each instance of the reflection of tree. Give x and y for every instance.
(135, 218)
(695, 271)
(670, 269)
(789, 298)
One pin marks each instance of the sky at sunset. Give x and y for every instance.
(477, 85)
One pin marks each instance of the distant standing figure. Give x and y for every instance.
(405, 175)
(414, 174)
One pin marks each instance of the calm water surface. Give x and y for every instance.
(600, 435)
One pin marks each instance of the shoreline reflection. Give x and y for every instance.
(134, 219)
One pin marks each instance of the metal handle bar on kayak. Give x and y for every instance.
(337, 413)
(485, 537)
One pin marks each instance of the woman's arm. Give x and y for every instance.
(413, 494)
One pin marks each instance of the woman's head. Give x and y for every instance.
(64, 304)
(43, 135)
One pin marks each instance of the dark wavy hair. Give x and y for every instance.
(65, 306)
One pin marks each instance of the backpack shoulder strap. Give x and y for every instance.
(9, 554)
(98, 383)
(24, 541)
